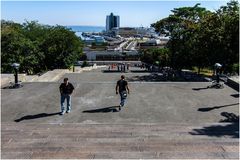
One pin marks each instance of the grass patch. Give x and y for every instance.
(204, 71)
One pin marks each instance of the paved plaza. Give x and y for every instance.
(160, 119)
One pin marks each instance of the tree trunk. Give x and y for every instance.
(199, 69)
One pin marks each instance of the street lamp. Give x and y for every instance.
(217, 66)
(16, 67)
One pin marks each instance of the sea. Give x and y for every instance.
(80, 29)
(87, 28)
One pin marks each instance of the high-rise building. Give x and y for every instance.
(112, 21)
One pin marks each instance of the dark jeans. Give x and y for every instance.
(63, 97)
(123, 99)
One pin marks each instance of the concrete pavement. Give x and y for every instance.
(160, 120)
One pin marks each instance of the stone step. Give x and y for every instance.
(7, 78)
(31, 78)
(117, 155)
(103, 126)
(123, 130)
(233, 83)
(52, 76)
(120, 152)
(75, 140)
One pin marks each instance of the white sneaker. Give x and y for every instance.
(68, 111)
(62, 113)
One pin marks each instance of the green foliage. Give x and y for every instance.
(235, 68)
(62, 48)
(201, 38)
(38, 47)
(182, 26)
(85, 63)
(159, 56)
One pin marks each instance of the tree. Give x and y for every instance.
(38, 47)
(153, 55)
(201, 38)
(229, 16)
(181, 26)
(61, 47)
(11, 40)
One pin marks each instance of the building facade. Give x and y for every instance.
(127, 31)
(112, 56)
(112, 21)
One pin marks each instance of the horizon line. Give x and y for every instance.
(72, 25)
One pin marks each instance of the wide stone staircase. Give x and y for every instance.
(52, 76)
(106, 141)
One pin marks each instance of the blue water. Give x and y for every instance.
(79, 29)
(86, 28)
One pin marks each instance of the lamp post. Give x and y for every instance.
(16, 67)
(217, 66)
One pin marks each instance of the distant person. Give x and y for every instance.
(118, 67)
(66, 90)
(122, 88)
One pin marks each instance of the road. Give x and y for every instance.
(131, 45)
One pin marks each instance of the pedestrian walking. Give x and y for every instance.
(118, 67)
(123, 90)
(66, 90)
(128, 66)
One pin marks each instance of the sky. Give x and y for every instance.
(93, 13)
